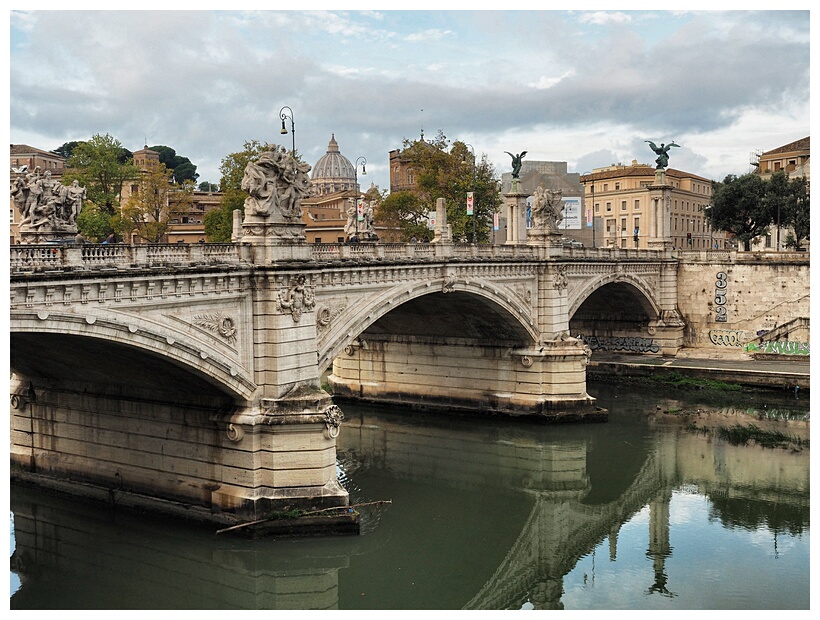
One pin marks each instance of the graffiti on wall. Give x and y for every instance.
(779, 347)
(720, 297)
(632, 344)
(727, 337)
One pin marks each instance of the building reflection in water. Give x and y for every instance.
(514, 508)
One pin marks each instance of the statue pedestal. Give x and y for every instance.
(516, 207)
(660, 178)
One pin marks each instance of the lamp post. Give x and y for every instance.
(707, 221)
(363, 162)
(475, 200)
(288, 115)
(592, 209)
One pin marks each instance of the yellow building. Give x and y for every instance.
(794, 159)
(618, 198)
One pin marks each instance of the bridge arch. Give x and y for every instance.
(490, 311)
(641, 293)
(69, 339)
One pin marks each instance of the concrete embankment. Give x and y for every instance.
(774, 374)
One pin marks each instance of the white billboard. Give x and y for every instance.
(571, 213)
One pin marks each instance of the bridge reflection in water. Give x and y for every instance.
(483, 516)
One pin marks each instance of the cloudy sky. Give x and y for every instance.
(586, 86)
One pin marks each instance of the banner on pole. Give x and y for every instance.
(469, 203)
(359, 209)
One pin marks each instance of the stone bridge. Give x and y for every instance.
(194, 373)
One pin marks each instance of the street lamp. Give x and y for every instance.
(708, 222)
(288, 115)
(475, 200)
(592, 211)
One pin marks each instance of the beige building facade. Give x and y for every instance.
(794, 159)
(618, 198)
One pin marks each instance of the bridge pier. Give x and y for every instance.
(204, 461)
(548, 381)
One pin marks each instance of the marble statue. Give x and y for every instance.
(276, 184)
(546, 209)
(45, 204)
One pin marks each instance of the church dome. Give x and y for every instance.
(333, 172)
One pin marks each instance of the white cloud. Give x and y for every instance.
(576, 87)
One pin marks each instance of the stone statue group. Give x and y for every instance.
(545, 212)
(360, 229)
(45, 203)
(276, 184)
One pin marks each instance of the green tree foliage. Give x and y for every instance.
(740, 206)
(403, 212)
(207, 186)
(93, 223)
(218, 223)
(796, 213)
(449, 171)
(101, 165)
(67, 149)
(181, 167)
(148, 212)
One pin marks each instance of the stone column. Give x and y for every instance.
(660, 206)
(516, 203)
(443, 232)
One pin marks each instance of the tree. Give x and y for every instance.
(66, 149)
(207, 186)
(218, 223)
(796, 213)
(94, 223)
(101, 165)
(449, 171)
(403, 212)
(149, 211)
(181, 167)
(740, 206)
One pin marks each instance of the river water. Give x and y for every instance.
(475, 513)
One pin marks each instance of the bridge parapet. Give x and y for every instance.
(63, 257)
(89, 257)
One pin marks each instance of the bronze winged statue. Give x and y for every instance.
(662, 152)
(516, 162)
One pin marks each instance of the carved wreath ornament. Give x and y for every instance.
(219, 324)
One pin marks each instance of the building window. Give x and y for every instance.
(776, 166)
(597, 207)
(637, 204)
(608, 207)
(623, 225)
(617, 186)
(606, 187)
(623, 205)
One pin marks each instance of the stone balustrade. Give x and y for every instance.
(90, 257)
